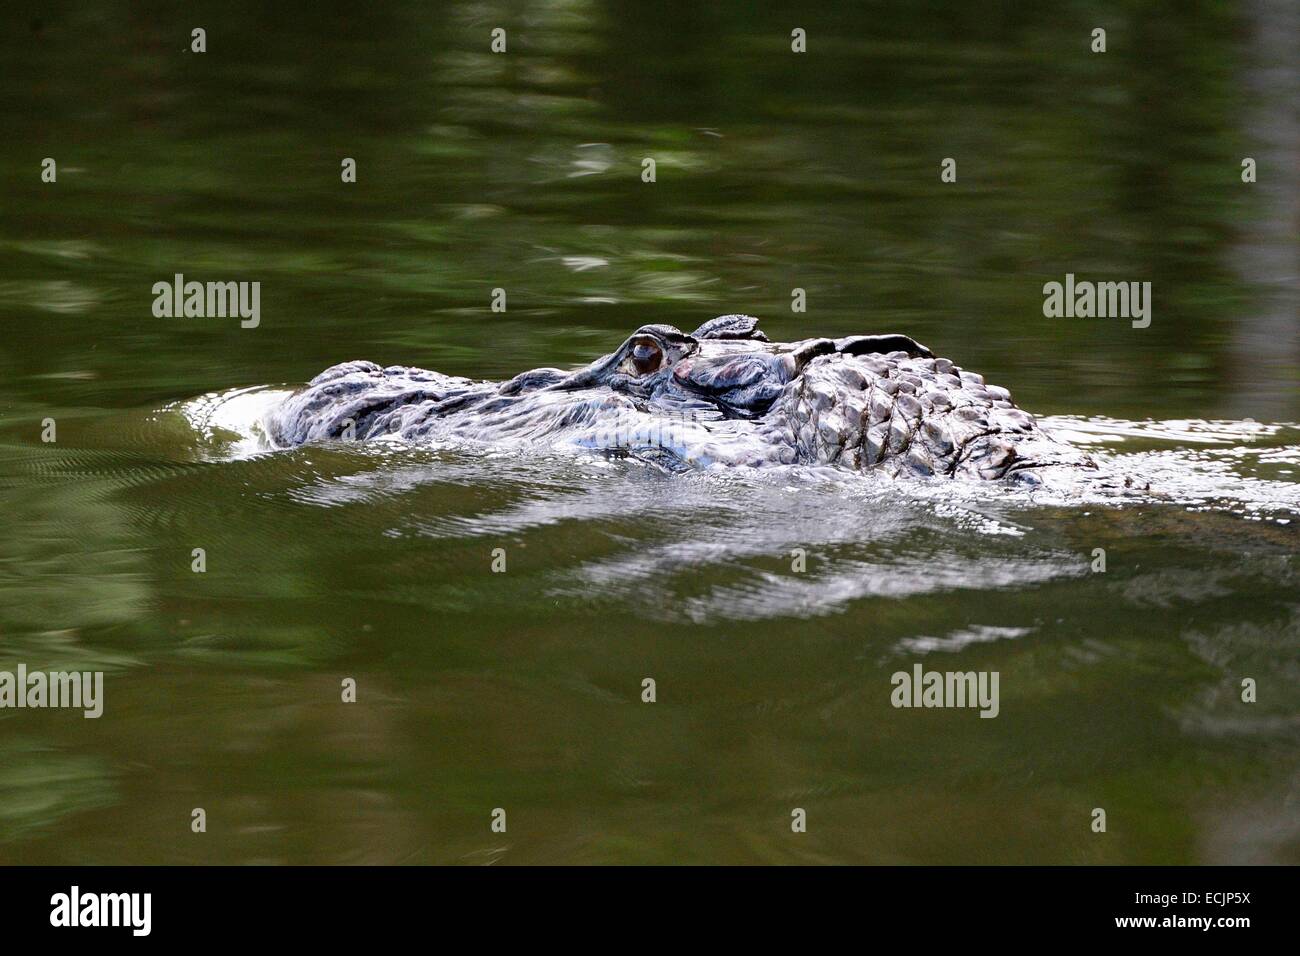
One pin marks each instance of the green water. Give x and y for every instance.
(522, 690)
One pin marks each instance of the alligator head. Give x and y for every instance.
(721, 396)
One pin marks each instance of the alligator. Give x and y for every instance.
(723, 396)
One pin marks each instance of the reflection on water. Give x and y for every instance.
(526, 683)
(522, 689)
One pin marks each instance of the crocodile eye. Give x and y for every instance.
(647, 357)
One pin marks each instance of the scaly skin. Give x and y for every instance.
(912, 416)
(721, 397)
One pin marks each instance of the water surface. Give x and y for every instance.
(522, 689)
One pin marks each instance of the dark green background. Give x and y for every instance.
(521, 690)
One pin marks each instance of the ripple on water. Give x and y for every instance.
(695, 547)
